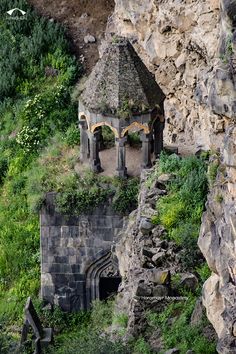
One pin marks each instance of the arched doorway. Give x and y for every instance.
(107, 149)
(102, 278)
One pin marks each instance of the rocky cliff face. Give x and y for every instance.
(218, 244)
(189, 46)
(146, 260)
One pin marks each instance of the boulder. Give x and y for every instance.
(143, 289)
(197, 314)
(157, 232)
(162, 244)
(165, 177)
(146, 226)
(188, 281)
(159, 257)
(150, 252)
(160, 277)
(160, 291)
(172, 351)
(89, 39)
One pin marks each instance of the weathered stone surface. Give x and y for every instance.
(89, 39)
(146, 226)
(197, 314)
(160, 291)
(179, 41)
(189, 281)
(172, 351)
(159, 277)
(140, 275)
(69, 248)
(217, 243)
(158, 258)
(143, 290)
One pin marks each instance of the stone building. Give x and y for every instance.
(121, 93)
(77, 262)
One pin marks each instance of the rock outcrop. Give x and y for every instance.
(217, 242)
(190, 47)
(146, 261)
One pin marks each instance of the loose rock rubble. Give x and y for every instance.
(147, 261)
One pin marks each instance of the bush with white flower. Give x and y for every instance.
(28, 139)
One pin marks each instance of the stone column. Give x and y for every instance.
(95, 162)
(100, 138)
(146, 150)
(83, 140)
(158, 137)
(120, 153)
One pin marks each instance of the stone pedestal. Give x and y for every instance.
(84, 152)
(94, 152)
(146, 150)
(120, 153)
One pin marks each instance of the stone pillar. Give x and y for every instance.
(100, 138)
(95, 162)
(146, 150)
(83, 140)
(120, 153)
(158, 136)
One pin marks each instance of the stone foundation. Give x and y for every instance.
(76, 253)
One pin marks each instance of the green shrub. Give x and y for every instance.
(204, 272)
(35, 105)
(180, 211)
(141, 347)
(126, 196)
(134, 139)
(212, 171)
(171, 210)
(108, 137)
(3, 168)
(88, 334)
(178, 332)
(80, 201)
(72, 136)
(28, 139)
(121, 319)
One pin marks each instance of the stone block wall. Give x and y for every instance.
(69, 246)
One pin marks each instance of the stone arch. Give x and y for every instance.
(82, 117)
(103, 265)
(95, 126)
(143, 127)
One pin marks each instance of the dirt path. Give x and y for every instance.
(80, 17)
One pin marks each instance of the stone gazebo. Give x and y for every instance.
(121, 93)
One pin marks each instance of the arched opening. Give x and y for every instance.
(102, 279)
(107, 149)
(108, 287)
(133, 151)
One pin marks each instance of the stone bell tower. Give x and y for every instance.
(121, 93)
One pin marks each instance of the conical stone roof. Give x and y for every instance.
(120, 84)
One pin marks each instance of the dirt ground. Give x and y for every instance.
(79, 17)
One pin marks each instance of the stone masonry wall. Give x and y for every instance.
(69, 245)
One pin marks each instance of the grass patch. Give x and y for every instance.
(181, 209)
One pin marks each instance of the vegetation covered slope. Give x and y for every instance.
(38, 152)
(37, 72)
